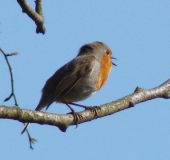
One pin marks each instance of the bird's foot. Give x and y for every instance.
(93, 109)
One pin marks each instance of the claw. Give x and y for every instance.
(76, 116)
(93, 109)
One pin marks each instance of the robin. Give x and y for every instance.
(78, 79)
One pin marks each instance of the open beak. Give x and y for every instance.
(112, 62)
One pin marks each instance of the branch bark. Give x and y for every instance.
(63, 121)
(36, 16)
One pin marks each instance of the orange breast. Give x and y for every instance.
(105, 67)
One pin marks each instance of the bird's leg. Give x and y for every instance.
(92, 109)
(76, 116)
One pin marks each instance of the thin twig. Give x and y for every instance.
(11, 77)
(11, 54)
(31, 140)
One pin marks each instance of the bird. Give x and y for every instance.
(78, 79)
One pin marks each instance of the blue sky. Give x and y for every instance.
(138, 33)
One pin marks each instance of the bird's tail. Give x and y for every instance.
(25, 127)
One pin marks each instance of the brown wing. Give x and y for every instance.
(65, 79)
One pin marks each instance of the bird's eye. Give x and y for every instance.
(107, 52)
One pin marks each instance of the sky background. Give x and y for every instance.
(138, 33)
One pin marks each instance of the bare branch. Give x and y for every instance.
(64, 121)
(36, 16)
(11, 54)
(31, 140)
(11, 76)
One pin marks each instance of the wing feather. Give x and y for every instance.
(65, 79)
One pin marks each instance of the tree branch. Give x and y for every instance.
(6, 55)
(11, 76)
(36, 16)
(64, 121)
